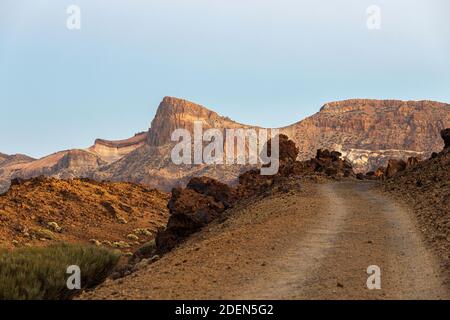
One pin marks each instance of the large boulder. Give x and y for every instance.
(288, 151)
(394, 166)
(379, 173)
(210, 187)
(192, 208)
(445, 134)
(411, 162)
(330, 163)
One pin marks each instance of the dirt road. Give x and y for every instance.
(313, 243)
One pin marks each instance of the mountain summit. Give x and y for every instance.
(174, 113)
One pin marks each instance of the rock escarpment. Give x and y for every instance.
(174, 113)
(370, 132)
(111, 151)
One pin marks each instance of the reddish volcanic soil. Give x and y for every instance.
(83, 211)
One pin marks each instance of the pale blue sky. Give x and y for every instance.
(269, 63)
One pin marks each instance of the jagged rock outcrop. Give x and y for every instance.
(331, 163)
(192, 208)
(445, 134)
(394, 166)
(174, 113)
(397, 165)
(210, 187)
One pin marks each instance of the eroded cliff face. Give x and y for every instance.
(372, 131)
(174, 113)
(111, 151)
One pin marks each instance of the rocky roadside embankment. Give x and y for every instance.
(426, 187)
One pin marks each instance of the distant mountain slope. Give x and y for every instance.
(370, 132)
(111, 151)
(367, 132)
(10, 164)
(15, 158)
(68, 163)
(63, 164)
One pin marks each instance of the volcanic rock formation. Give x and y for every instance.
(445, 134)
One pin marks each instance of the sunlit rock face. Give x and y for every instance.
(369, 132)
(111, 151)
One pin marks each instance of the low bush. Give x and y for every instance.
(40, 273)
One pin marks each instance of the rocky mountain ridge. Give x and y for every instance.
(73, 163)
(367, 132)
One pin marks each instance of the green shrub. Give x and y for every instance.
(40, 273)
(148, 249)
